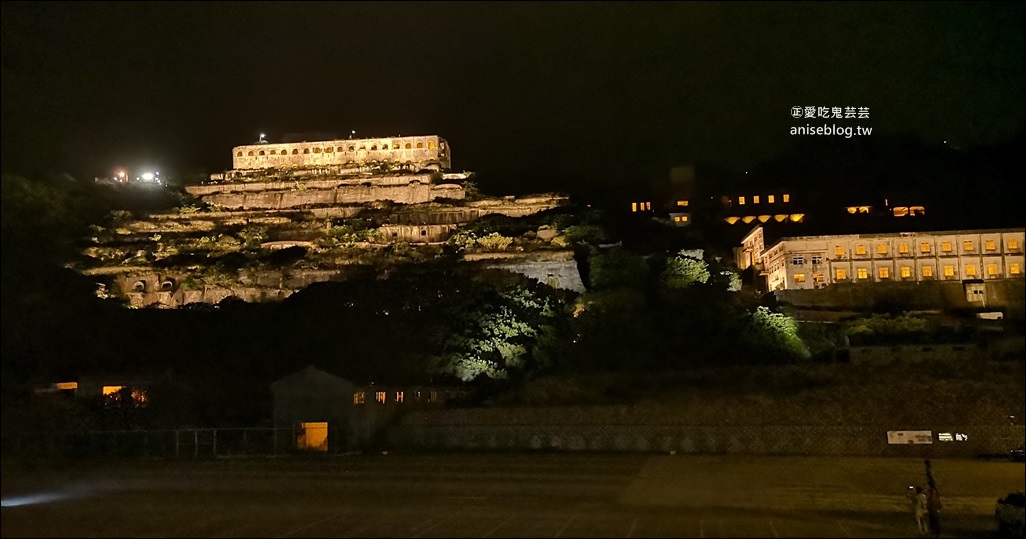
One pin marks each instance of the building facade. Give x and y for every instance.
(810, 262)
(425, 151)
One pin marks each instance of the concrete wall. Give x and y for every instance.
(420, 150)
(463, 430)
(349, 194)
(999, 294)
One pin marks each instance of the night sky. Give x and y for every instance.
(532, 96)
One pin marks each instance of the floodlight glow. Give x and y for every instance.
(30, 500)
(147, 176)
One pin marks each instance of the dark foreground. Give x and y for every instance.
(495, 495)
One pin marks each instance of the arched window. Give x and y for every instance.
(409, 146)
(139, 286)
(167, 285)
(262, 152)
(250, 153)
(340, 149)
(374, 147)
(317, 150)
(395, 146)
(306, 150)
(294, 152)
(238, 154)
(431, 145)
(420, 145)
(274, 152)
(353, 148)
(363, 146)
(328, 150)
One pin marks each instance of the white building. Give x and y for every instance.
(808, 262)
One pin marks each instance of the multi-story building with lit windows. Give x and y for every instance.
(808, 262)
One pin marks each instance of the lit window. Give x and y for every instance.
(970, 270)
(798, 260)
(881, 248)
(916, 210)
(374, 147)
(992, 270)
(839, 250)
(900, 211)
(63, 386)
(111, 390)
(1013, 245)
(787, 198)
(395, 146)
(927, 271)
(634, 207)
(906, 272)
(328, 150)
(903, 247)
(990, 245)
(770, 199)
(817, 259)
(317, 150)
(381, 397)
(799, 277)
(648, 206)
(949, 270)
(431, 145)
(682, 203)
(862, 273)
(817, 278)
(1013, 268)
(924, 247)
(968, 246)
(946, 246)
(860, 249)
(408, 146)
(399, 396)
(250, 154)
(840, 274)
(883, 273)
(741, 202)
(432, 396)
(359, 397)
(238, 154)
(755, 199)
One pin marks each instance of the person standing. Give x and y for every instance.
(919, 510)
(933, 501)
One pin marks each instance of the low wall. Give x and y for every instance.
(742, 440)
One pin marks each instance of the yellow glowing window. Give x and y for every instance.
(862, 273)
(1013, 268)
(1013, 245)
(317, 150)
(797, 217)
(755, 199)
(881, 248)
(817, 277)
(381, 397)
(634, 207)
(431, 145)
(860, 249)
(326, 150)
(359, 397)
(140, 397)
(906, 272)
(946, 246)
(927, 271)
(395, 146)
(399, 396)
(992, 270)
(408, 146)
(883, 273)
(682, 203)
(110, 390)
(787, 198)
(970, 270)
(924, 247)
(968, 246)
(840, 274)
(903, 247)
(799, 277)
(949, 270)
(741, 201)
(839, 250)
(312, 436)
(770, 199)
(648, 206)
(989, 245)
(732, 219)
(66, 385)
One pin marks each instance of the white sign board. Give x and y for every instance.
(905, 437)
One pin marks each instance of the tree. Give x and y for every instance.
(686, 269)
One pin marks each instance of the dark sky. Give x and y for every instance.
(532, 96)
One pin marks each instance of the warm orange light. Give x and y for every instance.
(797, 217)
(764, 218)
(748, 218)
(780, 218)
(313, 436)
(731, 220)
(110, 390)
(66, 385)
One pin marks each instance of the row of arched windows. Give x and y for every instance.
(340, 149)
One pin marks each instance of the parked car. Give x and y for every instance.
(1018, 454)
(1010, 514)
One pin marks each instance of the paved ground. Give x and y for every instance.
(497, 495)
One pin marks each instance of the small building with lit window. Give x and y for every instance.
(809, 262)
